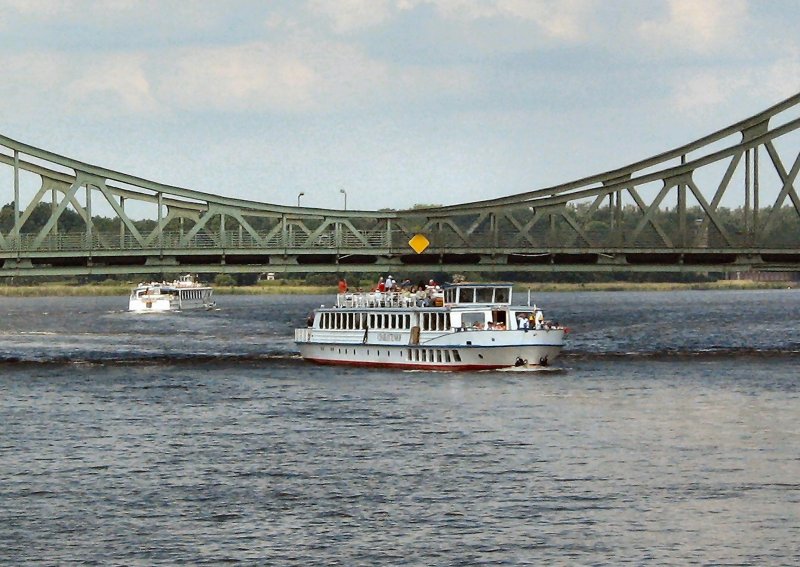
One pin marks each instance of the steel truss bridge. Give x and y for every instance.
(726, 202)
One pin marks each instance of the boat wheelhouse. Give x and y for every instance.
(464, 326)
(180, 294)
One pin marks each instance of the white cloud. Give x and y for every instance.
(39, 8)
(697, 26)
(710, 91)
(350, 15)
(698, 92)
(305, 75)
(245, 77)
(302, 76)
(782, 77)
(558, 19)
(117, 83)
(97, 84)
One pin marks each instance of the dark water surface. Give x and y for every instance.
(668, 434)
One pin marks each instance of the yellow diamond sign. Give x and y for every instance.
(419, 243)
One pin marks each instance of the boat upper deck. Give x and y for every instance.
(452, 295)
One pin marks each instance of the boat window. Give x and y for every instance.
(447, 321)
(447, 356)
(456, 356)
(394, 321)
(472, 319)
(466, 295)
(438, 356)
(484, 294)
(502, 295)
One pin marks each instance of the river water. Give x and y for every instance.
(667, 434)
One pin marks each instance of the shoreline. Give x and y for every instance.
(82, 290)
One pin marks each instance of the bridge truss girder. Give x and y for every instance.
(726, 202)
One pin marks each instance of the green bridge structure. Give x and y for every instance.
(726, 202)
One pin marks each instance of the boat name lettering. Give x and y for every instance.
(390, 337)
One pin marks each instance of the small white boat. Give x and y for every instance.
(183, 293)
(467, 326)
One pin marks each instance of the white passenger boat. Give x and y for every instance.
(183, 293)
(466, 326)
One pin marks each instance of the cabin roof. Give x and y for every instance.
(476, 284)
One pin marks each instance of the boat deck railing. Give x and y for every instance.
(398, 299)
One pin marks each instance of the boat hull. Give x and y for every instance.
(437, 355)
(163, 303)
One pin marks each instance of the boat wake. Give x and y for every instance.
(531, 369)
(711, 353)
(290, 356)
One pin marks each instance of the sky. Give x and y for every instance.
(394, 102)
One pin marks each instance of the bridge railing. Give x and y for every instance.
(558, 236)
(82, 242)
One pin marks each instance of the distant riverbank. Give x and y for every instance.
(109, 288)
(656, 286)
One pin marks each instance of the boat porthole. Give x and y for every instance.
(480, 356)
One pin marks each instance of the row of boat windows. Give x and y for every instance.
(397, 321)
(477, 295)
(191, 294)
(414, 354)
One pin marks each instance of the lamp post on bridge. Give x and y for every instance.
(343, 192)
(298, 198)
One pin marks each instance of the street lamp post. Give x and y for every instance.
(298, 198)
(343, 192)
